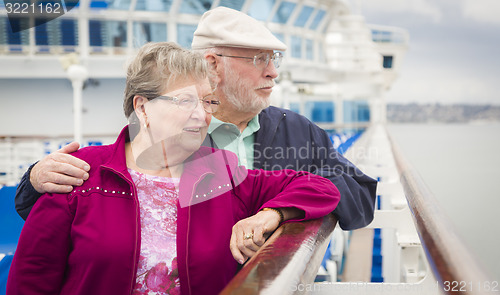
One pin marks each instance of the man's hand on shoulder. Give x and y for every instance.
(59, 171)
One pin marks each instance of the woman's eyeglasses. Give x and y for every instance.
(188, 103)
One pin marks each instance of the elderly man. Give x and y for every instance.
(244, 56)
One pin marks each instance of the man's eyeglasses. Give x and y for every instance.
(188, 103)
(261, 60)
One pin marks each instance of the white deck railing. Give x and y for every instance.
(18, 153)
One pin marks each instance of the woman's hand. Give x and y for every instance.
(249, 234)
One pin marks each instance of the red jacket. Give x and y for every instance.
(88, 241)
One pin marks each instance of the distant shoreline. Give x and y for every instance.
(438, 113)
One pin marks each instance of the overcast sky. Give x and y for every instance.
(454, 53)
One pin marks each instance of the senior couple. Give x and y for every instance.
(155, 213)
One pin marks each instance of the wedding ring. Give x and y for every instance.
(248, 236)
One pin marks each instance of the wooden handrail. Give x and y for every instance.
(454, 266)
(288, 262)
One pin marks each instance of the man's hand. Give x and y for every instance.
(59, 171)
(249, 234)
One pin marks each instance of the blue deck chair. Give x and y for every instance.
(10, 229)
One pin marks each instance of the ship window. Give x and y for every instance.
(234, 4)
(149, 32)
(363, 112)
(261, 9)
(99, 4)
(69, 33)
(309, 49)
(3, 27)
(296, 47)
(16, 40)
(356, 111)
(387, 62)
(104, 4)
(153, 5)
(46, 33)
(185, 35)
(381, 36)
(195, 6)
(322, 111)
(4, 30)
(107, 33)
(70, 4)
(284, 12)
(317, 19)
(303, 16)
(41, 34)
(18, 24)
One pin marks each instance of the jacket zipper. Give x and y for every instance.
(273, 133)
(135, 241)
(277, 125)
(187, 231)
(134, 261)
(270, 136)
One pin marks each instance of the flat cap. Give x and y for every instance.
(223, 26)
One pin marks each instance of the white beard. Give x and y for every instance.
(240, 95)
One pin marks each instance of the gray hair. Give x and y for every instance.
(156, 66)
(211, 73)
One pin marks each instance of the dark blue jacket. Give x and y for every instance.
(287, 140)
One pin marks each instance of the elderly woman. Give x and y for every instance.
(159, 214)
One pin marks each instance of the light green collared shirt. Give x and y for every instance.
(227, 136)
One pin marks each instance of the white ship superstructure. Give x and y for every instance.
(333, 70)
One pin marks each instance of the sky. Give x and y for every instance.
(454, 50)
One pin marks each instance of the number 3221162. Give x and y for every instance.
(41, 8)
(463, 286)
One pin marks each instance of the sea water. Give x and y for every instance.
(460, 163)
